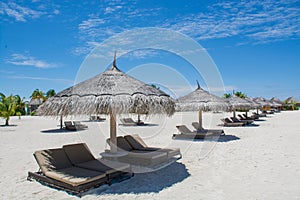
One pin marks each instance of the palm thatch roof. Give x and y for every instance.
(276, 100)
(201, 99)
(291, 100)
(251, 100)
(36, 102)
(109, 92)
(239, 103)
(262, 101)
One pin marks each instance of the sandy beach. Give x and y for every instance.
(254, 162)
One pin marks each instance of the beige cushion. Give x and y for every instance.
(104, 166)
(146, 158)
(123, 144)
(135, 141)
(52, 159)
(78, 153)
(75, 176)
(172, 152)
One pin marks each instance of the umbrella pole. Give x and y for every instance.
(234, 114)
(200, 119)
(61, 122)
(113, 133)
(139, 119)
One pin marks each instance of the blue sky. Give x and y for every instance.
(254, 44)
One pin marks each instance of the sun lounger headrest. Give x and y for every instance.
(78, 153)
(135, 141)
(52, 159)
(183, 129)
(123, 144)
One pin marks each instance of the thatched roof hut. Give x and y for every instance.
(262, 101)
(239, 103)
(111, 92)
(201, 100)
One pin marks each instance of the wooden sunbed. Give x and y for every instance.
(144, 158)
(69, 169)
(214, 131)
(186, 133)
(130, 122)
(137, 143)
(70, 126)
(228, 122)
(245, 121)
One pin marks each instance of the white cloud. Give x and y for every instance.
(259, 21)
(250, 21)
(56, 12)
(18, 12)
(22, 12)
(25, 60)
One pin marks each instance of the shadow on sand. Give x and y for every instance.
(222, 138)
(141, 125)
(11, 125)
(259, 120)
(60, 130)
(154, 181)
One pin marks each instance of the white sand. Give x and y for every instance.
(263, 164)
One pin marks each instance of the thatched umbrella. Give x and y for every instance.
(238, 103)
(111, 92)
(262, 101)
(201, 100)
(276, 100)
(254, 103)
(277, 103)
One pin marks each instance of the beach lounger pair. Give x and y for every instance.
(186, 133)
(97, 118)
(229, 123)
(138, 153)
(245, 117)
(73, 168)
(245, 121)
(260, 115)
(130, 122)
(75, 125)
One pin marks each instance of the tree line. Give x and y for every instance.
(14, 105)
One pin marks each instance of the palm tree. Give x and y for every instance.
(20, 105)
(50, 93)
(240, 94)
(7, 107)
(227, 95)
(38, 94)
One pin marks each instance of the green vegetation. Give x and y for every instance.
(240, 94)
(14, 105)
(50, 93)
(227, 95)
(290, 105)
(8, 107)
(38, 94)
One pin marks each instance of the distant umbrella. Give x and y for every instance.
(111, 92)
(276, 100)
(239, 103)
(262, 101)
(201, 100)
